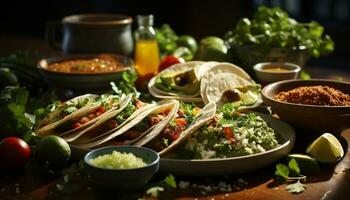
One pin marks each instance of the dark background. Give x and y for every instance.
(23, 20)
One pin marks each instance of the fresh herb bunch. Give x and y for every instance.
(15, 121)
(272, 27)
(126, 85)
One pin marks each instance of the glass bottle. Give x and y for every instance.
(146, 48)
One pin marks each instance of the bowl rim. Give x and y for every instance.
(123, 146)
(63, 58)
(293, 68)
(272, 85)
(119, 19)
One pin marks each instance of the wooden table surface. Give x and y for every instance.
(333, 183)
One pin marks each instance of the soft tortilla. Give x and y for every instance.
(173, 104)
(205, 115)
(73, 134)
(219, 69)
(221, 83)
(174, 68)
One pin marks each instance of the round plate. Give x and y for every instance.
(234, 165)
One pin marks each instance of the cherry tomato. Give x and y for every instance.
(101, 109)
(14, 153)
(168, 61)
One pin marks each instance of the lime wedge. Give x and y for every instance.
(308, 165)
(326, 149)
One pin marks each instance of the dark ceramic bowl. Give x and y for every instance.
(312, 119)
(248, 56)
(82, 81)
(123, 180)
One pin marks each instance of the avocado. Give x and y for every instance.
(183, 82)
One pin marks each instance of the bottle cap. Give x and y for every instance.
(146, 20)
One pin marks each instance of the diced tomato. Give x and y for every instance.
(101, 109)
(228, 132)
(165, 112)
(91, 116)
(112, 123)
(175, 136)
(138, 104)
(84, 120)
(76, 125)
(181, 121)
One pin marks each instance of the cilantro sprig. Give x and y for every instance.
(291, 173)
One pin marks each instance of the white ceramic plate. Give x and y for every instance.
(234, 165)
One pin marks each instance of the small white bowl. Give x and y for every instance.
(264, 76)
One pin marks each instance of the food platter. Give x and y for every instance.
(234, 165)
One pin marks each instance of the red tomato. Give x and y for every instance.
(76, 125)
(168, 61)
(181, 121)
(14, 153)
(228, 132)
(101, 109)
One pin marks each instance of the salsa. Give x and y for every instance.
(275, 69)
(100, 64)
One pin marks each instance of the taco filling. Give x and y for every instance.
(141, 128)
(115, 121)
(107, 102)
(172, 131)
(237, 134)
(64, 109)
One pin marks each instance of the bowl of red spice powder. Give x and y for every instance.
(314, 106)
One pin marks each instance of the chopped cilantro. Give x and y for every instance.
(296, 187)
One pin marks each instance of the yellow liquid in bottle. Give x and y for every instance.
(146, 57)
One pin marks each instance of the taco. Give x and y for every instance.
(110, 122)
(73, 118)
(150, 119)
(179, 81)
(227, 83)
(188, 119)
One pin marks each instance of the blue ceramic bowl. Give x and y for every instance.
(122, 180)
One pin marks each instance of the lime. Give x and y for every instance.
(53, 152)
(308, 165)
(188, 41)
(326, 149)
(212, 48)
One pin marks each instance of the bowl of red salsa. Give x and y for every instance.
(84, 72)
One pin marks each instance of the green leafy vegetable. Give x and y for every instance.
(282, 171)
(297, 187)
(170, 181)
(272, 27)
(127, 85)
(14, 119)
(285, 172)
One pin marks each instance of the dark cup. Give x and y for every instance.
(92, 33)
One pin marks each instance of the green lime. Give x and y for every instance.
(212, 48)
(189, 42)
(308, 165)
(326, 149)
(53, 152)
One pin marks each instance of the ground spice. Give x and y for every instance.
(315, 95)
